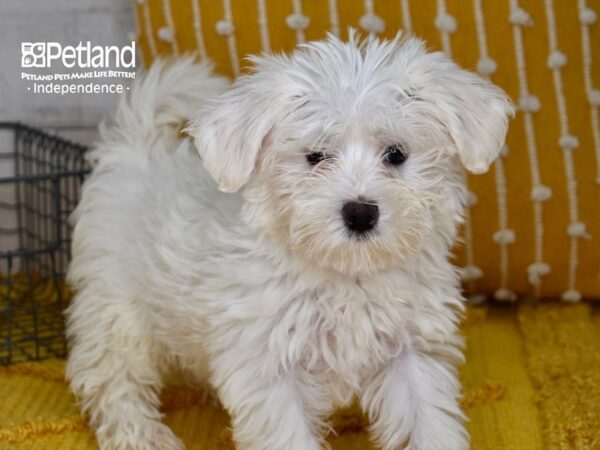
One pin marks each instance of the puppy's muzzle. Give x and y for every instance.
(360, 216)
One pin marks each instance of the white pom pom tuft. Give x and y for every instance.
(486, 66)
(588, 16)
(577, 229)
(372, 23)
(504, 237)
(529, 103)
(537, 270)
(470, 273)
(224, 28)
(541, 193)
(568, 142)
(557, 59)
(594, 97)
(505, 295)
(297, 21)
(571, 295)
(518, 16)
(166, 34)
(445, 22)
(504, 151)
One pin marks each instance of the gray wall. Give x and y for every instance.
(102, 22)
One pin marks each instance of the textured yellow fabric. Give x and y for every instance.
(564, 365)
(531, 381)
(495, 353)
(176, 26)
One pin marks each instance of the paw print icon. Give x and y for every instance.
(33, 54)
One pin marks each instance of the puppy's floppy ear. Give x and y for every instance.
(229, 131)
(474, 111)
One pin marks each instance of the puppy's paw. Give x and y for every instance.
(162, 438)
(447, 436)
(149, 436)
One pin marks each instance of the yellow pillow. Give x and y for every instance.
(534, 225)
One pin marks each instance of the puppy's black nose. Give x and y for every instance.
(360, 216)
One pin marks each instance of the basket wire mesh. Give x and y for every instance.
(40, 179)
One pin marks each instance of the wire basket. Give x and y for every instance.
(40, 180)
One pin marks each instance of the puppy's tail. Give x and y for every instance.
(163, 99)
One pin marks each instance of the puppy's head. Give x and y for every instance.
(350, 154)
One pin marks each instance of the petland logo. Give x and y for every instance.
(89, 65)
(83, 56)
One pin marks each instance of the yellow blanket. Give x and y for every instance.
(532, 381)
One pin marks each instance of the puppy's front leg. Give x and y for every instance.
(412, 402)
(268, 408)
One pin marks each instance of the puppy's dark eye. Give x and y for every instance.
(395, 155)
(315, 158)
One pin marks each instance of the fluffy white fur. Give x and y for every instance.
(263, 293)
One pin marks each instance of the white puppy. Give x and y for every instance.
(324, 279)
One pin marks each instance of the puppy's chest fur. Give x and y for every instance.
(340, 332)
